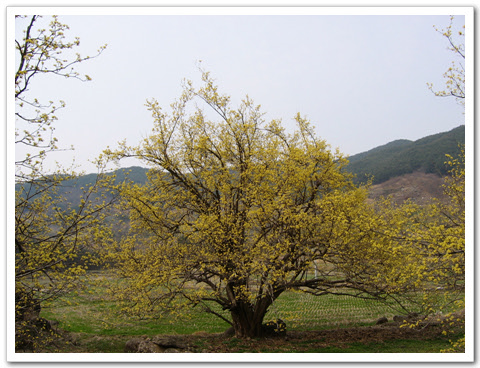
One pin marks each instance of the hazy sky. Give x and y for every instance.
(360, 79)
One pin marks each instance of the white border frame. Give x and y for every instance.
(468, 12)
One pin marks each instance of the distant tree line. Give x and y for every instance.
(403, 156)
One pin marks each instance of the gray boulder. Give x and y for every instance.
(172, 350)
(131, 346)
(156, 344)
(148, 346)
(166, 342)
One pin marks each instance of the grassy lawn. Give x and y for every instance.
(90, 313)
(96, 325)
(93, 311)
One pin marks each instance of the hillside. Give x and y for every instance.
(419, 186)
(402, 157)
(72, 192)
(402, 168)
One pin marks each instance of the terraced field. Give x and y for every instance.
(90, 322)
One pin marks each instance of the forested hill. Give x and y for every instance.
(135, 174)
(404, 156)
(391, 160)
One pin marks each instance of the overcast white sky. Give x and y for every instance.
(360, 79)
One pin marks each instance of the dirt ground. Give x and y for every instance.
(390, 333)
(418, 186)
(301, 341)
(293, 341)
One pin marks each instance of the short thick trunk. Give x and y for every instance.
(247, 321)
(246, 327)
(248, 317)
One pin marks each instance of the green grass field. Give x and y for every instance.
(92, 311)
(100, 327)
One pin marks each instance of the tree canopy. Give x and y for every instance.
(236, 211)
(455, 74)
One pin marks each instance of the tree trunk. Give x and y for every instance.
(248, 319)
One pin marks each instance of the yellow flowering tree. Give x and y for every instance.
(448, 233)
(40, 52)
(434, 235)
(236, 211)
(51, 235)
(446, 236)
(455, 74)
(432, 241)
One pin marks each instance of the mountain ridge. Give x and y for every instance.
(403, 156)
(395, 158)
(404, 168)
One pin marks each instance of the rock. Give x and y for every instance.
(171, 350)
(175, 342)
(141, 345)
(381, 320)
(147, 346)
(156, 344)
(131, 346)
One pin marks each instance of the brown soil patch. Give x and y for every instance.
(292, 342)
(418, 186)
(303, 341)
